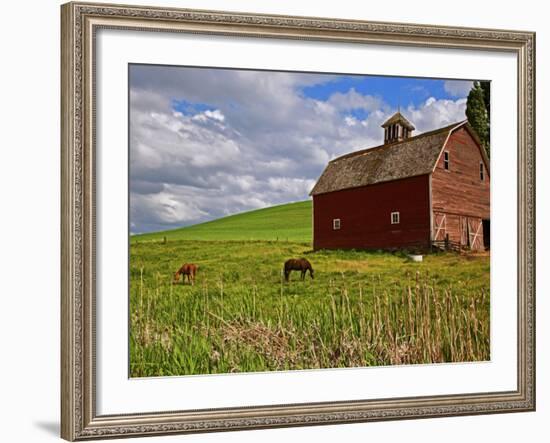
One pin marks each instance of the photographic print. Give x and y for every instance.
(275, 221)
(290, 220)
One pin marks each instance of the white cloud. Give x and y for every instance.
(165, 208)
(350, 120)
(433, 114)
(213, 115)
(354, 100)
(290, 186)
(260, 142)
(458, 88)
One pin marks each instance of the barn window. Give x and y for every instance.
(336, 224)
(395, 218)
(481, 171)
(446, 160)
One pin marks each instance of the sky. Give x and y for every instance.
(206, 143)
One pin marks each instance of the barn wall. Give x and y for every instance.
(459, 190)
(460, 200)
(365, 214)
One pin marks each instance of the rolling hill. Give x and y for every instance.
(290, 222)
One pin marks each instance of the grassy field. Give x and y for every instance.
(290, 222)
(362, 308)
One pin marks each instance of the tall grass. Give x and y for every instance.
(243, 318)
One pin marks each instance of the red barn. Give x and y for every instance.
(407, 193)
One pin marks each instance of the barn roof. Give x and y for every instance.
(408, 158)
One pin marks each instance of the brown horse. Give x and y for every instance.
(189, 270)
(298, 264)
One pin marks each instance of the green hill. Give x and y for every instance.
(291, 222)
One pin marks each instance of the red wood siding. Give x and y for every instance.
(459, 190)
(459, 197)
(365, 216)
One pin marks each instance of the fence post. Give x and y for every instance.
(446, 242)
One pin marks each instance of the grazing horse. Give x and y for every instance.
(298, 264)
(187, 269)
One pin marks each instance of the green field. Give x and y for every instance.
(290, 222)
(362, 308)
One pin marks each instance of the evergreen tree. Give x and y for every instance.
(477, 114)
(486, 86)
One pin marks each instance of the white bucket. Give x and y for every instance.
(416, 258)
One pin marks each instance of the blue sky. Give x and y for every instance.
(188, 108)
(395, 91)
(205, 143)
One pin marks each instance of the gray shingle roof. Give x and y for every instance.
(408, 158)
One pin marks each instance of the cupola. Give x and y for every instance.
(397, 128)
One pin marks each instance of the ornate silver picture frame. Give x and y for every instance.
(80, 23)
